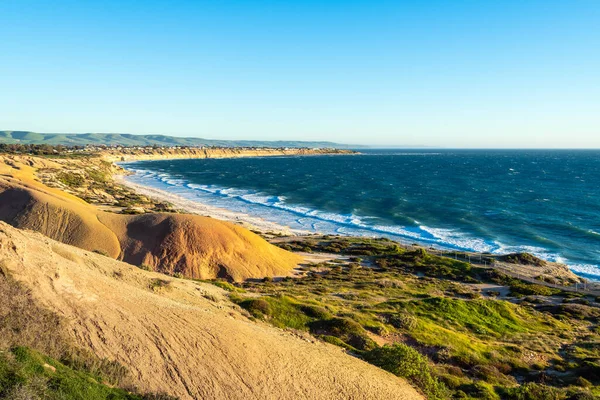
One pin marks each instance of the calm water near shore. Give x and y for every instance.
(545, 202)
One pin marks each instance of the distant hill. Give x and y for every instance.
(127, 139)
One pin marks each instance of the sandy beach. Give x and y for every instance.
(194, 207)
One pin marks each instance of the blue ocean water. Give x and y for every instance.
(546, 202)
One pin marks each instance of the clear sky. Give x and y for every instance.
(440, 73)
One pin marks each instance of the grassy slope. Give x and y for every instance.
(474, 346)
(27, 374)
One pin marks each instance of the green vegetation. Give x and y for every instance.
(41, 150)
(27, 374)
(426, 318)
(349, 246)
(71, 179)
(404, 361)
(92, 181)
(521, 288)
(158, 284)
(225, 285)
(523, 258)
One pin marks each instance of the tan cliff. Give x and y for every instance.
(161, 153)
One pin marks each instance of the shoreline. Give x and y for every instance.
(94, 181)
(193, 207)
(271, 230)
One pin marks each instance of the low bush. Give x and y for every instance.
(533, 391)
(26, 374)
(315, 311)
(226, 286)
(406, 362)
(350, 332)
(257, 307)
(71, 179)
(159, 284)
(145, 267)
(403, 320)
(523, 259)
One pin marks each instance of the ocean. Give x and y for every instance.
(546, 202)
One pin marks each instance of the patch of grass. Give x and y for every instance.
(281, 311)
(344, 245)
(419, 261)
(287, 312)
(408, 363)
(26, 374)
(480, 347)
(481, 317)
(345, 329)
(533, 391)
(71, 179)
(158, 284)
(519, 287)
(225, 286)
(97, 176)
(523, 258)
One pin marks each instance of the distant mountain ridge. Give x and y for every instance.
(128, 139)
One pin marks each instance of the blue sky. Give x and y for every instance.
(439, 73)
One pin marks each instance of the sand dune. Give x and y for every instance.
(57, 217)
(195, 246)
(198, 247)
(183, 338)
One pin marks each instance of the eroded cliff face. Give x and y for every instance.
(139, 154)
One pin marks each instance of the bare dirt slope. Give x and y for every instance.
(197, 247)
(182, 337)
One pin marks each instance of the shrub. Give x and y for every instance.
(336, 341)
(403, 320)
(480, 391)
(581, 381)
(404, 361)
(257, 307)
(71, 179)
(523, 259)
(226, 286)
(533, 391)
(582, 396)
(97, 176)
(316, 312)
(281, 311)
(159, 284)
(345, 329)
(26, 374)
